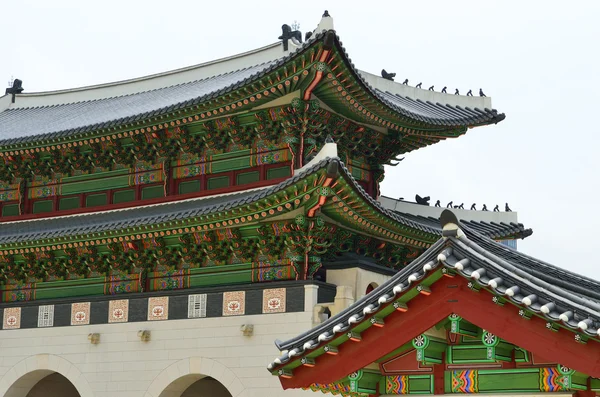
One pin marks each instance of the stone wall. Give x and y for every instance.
(121, 365)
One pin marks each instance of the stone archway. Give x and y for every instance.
(54, 371)
(174, 380)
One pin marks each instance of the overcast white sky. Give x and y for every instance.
(539, 61)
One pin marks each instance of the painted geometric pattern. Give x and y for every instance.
(197, 306)
(333, 388)
(169, 280)
(118, 311)
(552, 380)
(80, 313)
(396, 384)
(12, 318)
(278, 270)
(234, 303)
(465, 381)
(274, 300)
(18, 293)
(46, 316)
(158, 308)
(119, 284)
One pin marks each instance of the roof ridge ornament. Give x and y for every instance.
(16, 88)
(287, 33)
(450, 225)
(325, 24)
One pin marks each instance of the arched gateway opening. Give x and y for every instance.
(196, 376)
(44, 375)
(195, 386)
(42, 383)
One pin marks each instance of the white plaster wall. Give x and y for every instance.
(356, 278)
(123, 366)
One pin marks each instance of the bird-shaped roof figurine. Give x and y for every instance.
(481, 93)
(387, 76)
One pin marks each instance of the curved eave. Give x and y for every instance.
(422, 113)
(428, 113)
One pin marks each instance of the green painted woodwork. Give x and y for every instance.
(247, 177)
(462, 327)
(10, 210)
(123, 196)
(151, 192)
(43, 206)
(69, 288)
(364, 381)
(595, 384)
(406, 384)
(430, 350)
(95, 182)
(217, 182)
(221, 275)
(69, 203)
(189, 186)
(93, 200)
(279, 172)
(230, 165)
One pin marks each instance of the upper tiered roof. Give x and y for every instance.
(423, 117)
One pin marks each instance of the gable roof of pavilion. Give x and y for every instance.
(67, 114)
(558, 296)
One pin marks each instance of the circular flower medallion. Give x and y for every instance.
(118, 313)
(80, 316)
(274, 303)
(158, 311)
(233, 306)
(419, 341)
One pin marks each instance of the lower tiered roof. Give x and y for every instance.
(33, 231)
(564, 301)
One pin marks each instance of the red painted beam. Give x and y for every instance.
(451, 295)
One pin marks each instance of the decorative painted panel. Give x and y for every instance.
(12, 318)
(169, 280)
(158, 308)
(118, 311)
(407, 384)
(234, 303)
(272, 271)
(118, 284)
(18, 293)
(80, 313)
(197, 305)
(273, 300)
(46, 316)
